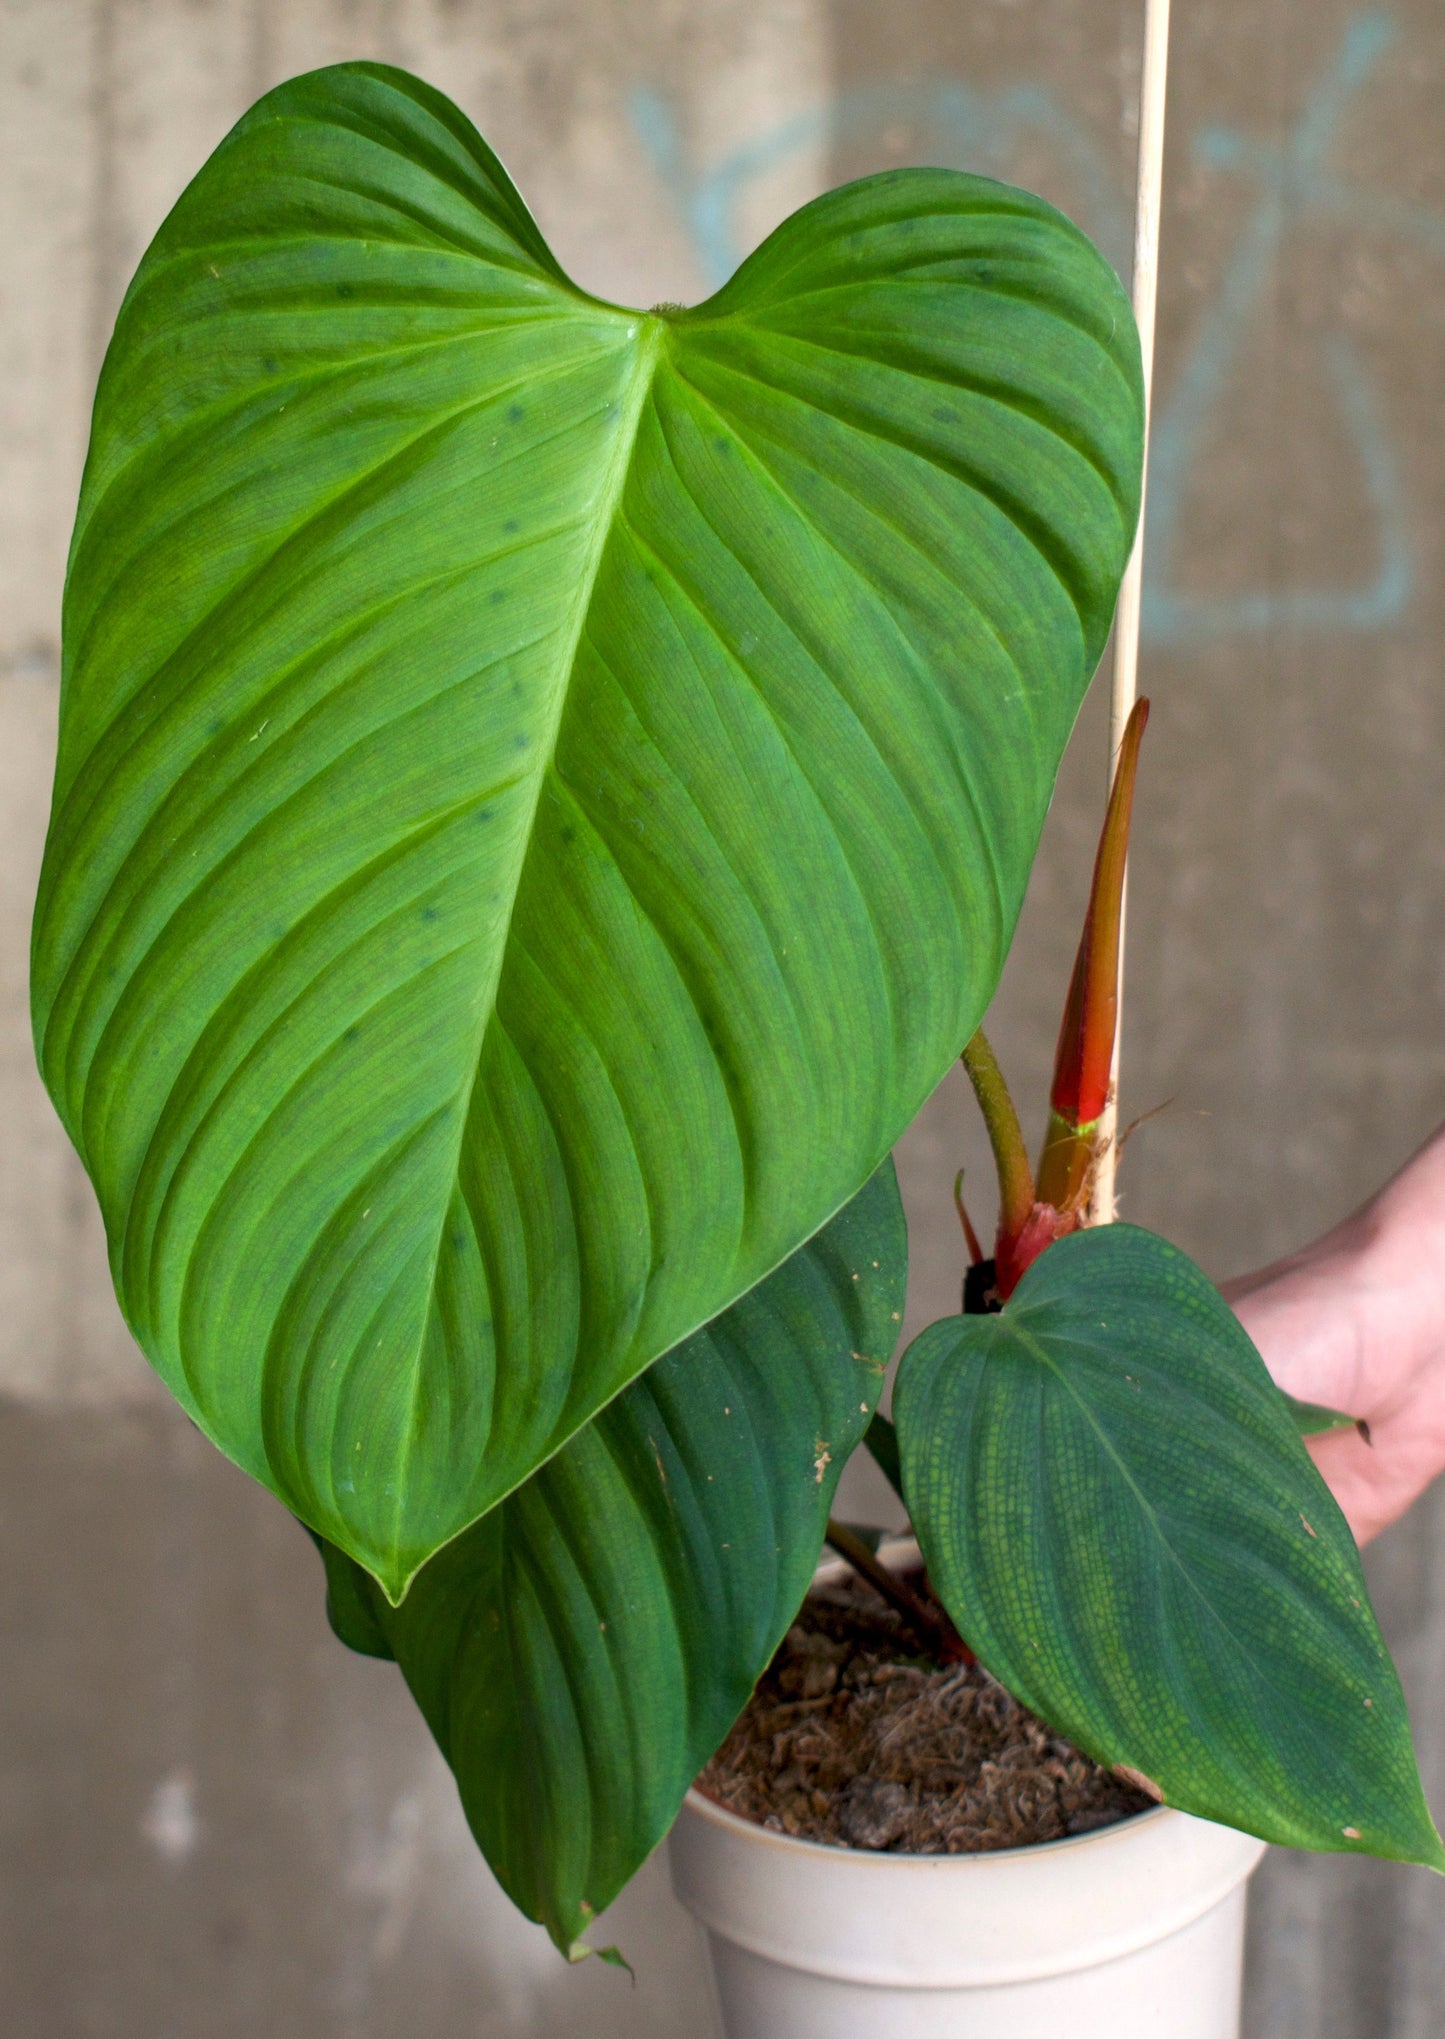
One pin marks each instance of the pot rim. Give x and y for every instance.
(928, 1922)
(902, 1858)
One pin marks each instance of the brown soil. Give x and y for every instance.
(856, 1737)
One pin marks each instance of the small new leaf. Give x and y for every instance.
(1118, 1512)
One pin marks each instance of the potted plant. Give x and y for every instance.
(1096, 1466)
(544, 793)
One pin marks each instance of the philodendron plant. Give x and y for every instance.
(544, 793)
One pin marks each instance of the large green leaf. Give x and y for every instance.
(582, 1650)
(544, 790)
(1118, 1513)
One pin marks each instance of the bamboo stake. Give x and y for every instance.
(1152, 86)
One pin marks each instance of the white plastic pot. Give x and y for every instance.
(1132, 1932)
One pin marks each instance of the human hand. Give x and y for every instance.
(1357, 1322)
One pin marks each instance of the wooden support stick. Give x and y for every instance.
(1126, 621)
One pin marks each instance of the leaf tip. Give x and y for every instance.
(394, 1576)
(578, 1950)
(1127, 1775)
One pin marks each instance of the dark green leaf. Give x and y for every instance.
(582, 1650)
(1313, 1419)
(353, 1606)
(881, 1439)
(544, 790)
(1120, 1517)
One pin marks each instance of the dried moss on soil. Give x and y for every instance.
(856, 1738)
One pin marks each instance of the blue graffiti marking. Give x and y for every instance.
(1297, 189)
(1294, 186)
(982, 129)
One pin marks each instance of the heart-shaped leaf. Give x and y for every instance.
(581, 1651)
(1118, 1513)
(544, 790)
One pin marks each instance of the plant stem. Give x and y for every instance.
(1011, 1158)
(940, 1636)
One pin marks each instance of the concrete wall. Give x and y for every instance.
(215, 1823)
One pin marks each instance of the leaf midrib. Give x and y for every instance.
(648, 341)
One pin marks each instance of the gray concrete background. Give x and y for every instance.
(215, 1823)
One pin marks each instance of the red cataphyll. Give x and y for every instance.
(1034, 1211)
